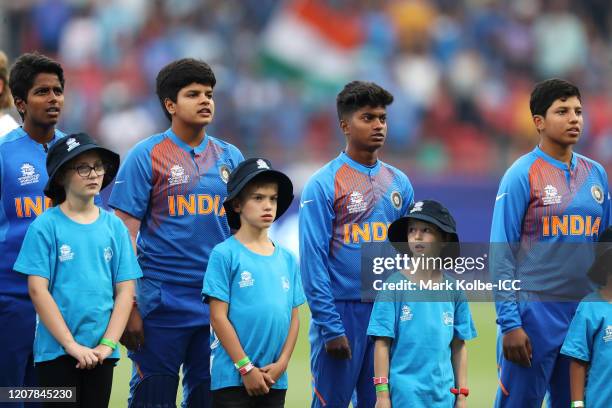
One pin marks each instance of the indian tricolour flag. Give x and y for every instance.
(311, 41)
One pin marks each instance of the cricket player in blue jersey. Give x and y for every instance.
(549, 202)
(37, 85)
(349, 201)
(170, 192)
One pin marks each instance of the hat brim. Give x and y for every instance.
(598, 272)
(109, 157)
(398, 235)
(285, 196)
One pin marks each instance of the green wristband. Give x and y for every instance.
(109, 343)
(241, 363)
(577, 404)
(382, 387)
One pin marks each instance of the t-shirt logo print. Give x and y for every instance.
(28, 175)
(448, 319)
(285, 283)
(406, 313)
(246, 279)
(608, 336)
(72, 144)
(66, 253)
(177, 176)
(551, 195)
(597, 194)
(396, 200)
(108, 254)
(357, 203)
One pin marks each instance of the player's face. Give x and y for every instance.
(366, 128)
(562, 124)
(44, 102)
(194, 105)
(424, 239)
(259, 207)
(81, 180)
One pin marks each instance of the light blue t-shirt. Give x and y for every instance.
(420, 371)
(82, 262)
(590, 339)
(261, 292)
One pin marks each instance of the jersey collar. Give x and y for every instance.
(371, 170)
(196, 150)
(57, 134)
(540, 153)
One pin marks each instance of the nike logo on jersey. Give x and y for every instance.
(303, 203)
(499, 197)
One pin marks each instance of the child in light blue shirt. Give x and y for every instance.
(81, 270)
(420, 358)
(254, 290)
(589, 338)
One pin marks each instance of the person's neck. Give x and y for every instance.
(563, 153)
(40, 134)
(190, 135)
(606, 291)
(364, 157)
(79, 209)
(255, 239)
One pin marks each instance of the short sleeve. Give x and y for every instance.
(132, 189)
(578, 342)
(383, 318)
(217, 279)
(127, 267)
(37, 252)
(236, 156)
(298, 291)
(463, 324)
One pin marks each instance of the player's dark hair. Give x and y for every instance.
(252, 185)
(545, 93)
(359, 94)
(177, 75)
(24, 72)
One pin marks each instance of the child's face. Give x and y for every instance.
(194, 105)
(424, 238)
(80, 179)
(366, 128)
(258, 209)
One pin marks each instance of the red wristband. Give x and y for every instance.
(460, 391)
(246, 368)
(380, 380)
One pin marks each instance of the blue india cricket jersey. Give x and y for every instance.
(261, 292)
(177, 192)
(548, 210)
(590, 339)
(344, 204)
(23, 176)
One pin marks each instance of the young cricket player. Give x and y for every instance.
(253, 286)
(349, 201)
(551, 203)
(589, 338)
(170, 192)
(37, 86)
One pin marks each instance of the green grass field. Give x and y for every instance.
(482, 374)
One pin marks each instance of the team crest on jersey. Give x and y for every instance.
(418, 206)
(66, 253)
(28, 175)
(72, 144)
(246, 279)
(448, 319)
(396, 200)
(597, 193)
(224, 173)
(108, 254)
(406, 313)
(357, 203)
(177, 176)
(608, 335)
(285, 283)
(551, 195)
